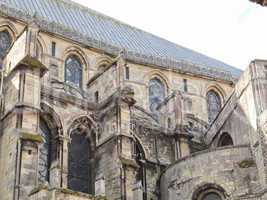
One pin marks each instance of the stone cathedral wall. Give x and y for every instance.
(67, 104)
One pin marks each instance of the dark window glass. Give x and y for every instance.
(211, 196)
(79, 178)
(44, 153)
(96, 96)
(185, 85)
(225, 140)
(156, 93)
(5, 43)
(213, 104)
(53, 49)
(73, 71)
(169, 122)
(127, 73)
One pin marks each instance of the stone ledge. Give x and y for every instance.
(246, 146)
(63, 191)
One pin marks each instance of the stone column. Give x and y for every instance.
(64, 153)
(20, 121)
(57, 166)
(138, 191)
(182, 148)
(125, 142)
(256, 111)
(25, 108)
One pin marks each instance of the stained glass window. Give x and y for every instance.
(211, 196)
(73, 71)
(5, 43)
(213, 104)
(44, 153)
(156, 93)
(79, 176)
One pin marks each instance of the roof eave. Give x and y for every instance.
(166, 63)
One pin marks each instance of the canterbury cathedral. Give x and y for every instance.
(94, 109)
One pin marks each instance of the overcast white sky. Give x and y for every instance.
(233, 31)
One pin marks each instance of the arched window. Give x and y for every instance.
(5, 43)
(211, 196)
(214, 104)
(156, 93)
(73, 71)
(209, 192)
(225, 140)
(44, 161)
(80, 176)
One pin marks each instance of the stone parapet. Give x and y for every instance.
(225, 168)
(44, 193)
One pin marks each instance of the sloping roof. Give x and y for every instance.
(97, 30)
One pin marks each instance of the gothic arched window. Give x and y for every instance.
(156, 93)
(80, 168)
(211, 196)
(73, 71)
(213, 104)
(5, 43)
(225, 140)
(44, 153)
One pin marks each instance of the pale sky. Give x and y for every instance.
(233, 31)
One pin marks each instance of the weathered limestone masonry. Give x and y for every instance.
(247, 107)
(243, 117)
(20, 119)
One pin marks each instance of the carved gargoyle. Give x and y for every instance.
(127, 95)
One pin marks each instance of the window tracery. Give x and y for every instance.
(211, 196)
(156, 93)
(44, 153)
(79, 163)
(81, 157)
(73, 71)
(5, 43)
(213, 104)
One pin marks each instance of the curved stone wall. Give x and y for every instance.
(229, 168)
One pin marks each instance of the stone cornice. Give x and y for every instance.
(160, 62)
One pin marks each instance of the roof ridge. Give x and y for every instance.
(154, 56)
(99, 14)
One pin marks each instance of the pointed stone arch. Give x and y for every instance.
(81, 154)
(102, 62)
(77, 51)
(7, 25)
(52, 118)
(208, 188)
(158, 74)
(225, 139)
(50, 128)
